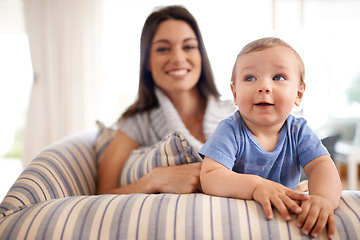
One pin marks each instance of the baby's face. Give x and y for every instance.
(267, 86)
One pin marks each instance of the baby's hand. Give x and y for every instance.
(317, 211)
(269, 193)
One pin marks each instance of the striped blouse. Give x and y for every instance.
(150, 127)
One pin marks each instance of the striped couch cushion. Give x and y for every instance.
(103, 138)
(164, 216)
(66, 168)
(172, 150)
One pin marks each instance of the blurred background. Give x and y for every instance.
(66, 63)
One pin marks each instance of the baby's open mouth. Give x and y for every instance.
(264, 104)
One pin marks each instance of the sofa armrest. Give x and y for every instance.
(63, 169)
(165, 216)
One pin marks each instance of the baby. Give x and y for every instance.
(257, 152)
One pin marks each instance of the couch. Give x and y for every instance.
(54, 198)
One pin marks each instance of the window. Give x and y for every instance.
(331, 40)
(15, 78)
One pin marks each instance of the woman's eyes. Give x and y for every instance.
(167, 49)
(189, 47)
(162, 49)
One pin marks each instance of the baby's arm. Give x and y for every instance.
(218, 180)
(325, 190)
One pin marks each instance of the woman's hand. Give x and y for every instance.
(176, 179)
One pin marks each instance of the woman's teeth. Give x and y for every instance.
(178, 72)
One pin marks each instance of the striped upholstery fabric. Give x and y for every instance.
(53, 199)
(164, 216)
(103, 138)
(66, 168)
(172, 150)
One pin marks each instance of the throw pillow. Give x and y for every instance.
(173, 150)
(103, 138)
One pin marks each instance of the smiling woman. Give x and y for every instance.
(176, 93)
(175, 59)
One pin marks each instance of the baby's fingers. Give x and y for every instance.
(309, 223)
(331, 226)
(292, 205)
(320, 224)
(303, 215)
(268, 210)
(280, 205)
(297, 196)
(308, 218)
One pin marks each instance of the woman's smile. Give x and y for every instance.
(178, 72)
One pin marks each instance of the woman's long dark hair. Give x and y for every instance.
(146, 98)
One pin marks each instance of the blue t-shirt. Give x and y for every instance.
(234, 146)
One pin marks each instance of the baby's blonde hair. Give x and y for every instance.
(268, 42)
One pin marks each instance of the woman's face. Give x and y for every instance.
(175, 60)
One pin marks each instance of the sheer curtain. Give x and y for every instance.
(65, 45)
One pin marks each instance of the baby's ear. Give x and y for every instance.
(233, 90)
(300, 94)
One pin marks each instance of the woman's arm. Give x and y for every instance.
(174, 179)
(112, 162)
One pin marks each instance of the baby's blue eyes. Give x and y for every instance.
(275, 78)
(279, 78)
(250, 78)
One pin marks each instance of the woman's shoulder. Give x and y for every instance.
(142, 127)
(145, 114)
